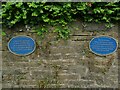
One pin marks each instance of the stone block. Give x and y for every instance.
(113, 70)
(62, 50)
(81, 84)
(7, 56)
(94, 27)
(78, 69)
(42, 74)
(81, 38)
(65, 77)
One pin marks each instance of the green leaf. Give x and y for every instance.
(46, 20)
(13, 22)
(34, 14)
(3, 33)
(19, 4)
(110, 11)
(41, 11)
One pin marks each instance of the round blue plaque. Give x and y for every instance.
(103, 45)
(21, 45)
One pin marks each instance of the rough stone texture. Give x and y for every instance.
(62, 64)
(0, 58)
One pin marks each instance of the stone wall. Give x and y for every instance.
(0, 59)
(61, 63)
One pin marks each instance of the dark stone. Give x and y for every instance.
(94, 27)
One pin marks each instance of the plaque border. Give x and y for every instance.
(21, 54)
(104, 36)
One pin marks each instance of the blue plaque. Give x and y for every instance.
(21, 45)
(103, 45)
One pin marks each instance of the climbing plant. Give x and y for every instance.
(58, 14)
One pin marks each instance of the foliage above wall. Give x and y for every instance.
(58, 13)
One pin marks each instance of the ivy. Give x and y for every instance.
(3, 33)
(58, 14)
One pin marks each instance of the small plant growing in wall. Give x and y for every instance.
(3, 33)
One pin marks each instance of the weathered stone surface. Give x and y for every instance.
(81, 83)
(95, 27)
(62, 64)
(80, 70)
